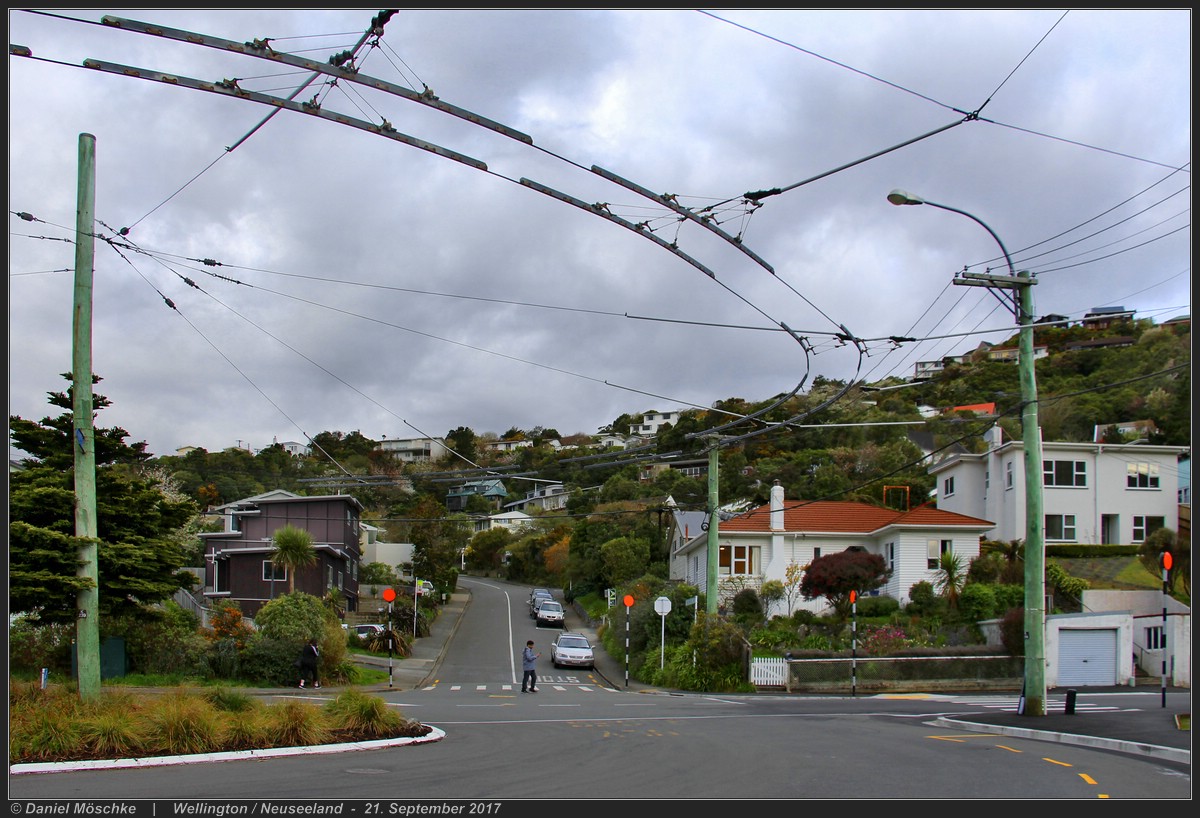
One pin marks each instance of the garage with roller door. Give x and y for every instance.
(1089, 650)
(1087, 657)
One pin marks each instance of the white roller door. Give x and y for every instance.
(1087, 657)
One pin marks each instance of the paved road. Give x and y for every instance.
(585, 737)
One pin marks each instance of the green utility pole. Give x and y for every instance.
(1035, 552)
(1033, 697)
(712, 597)
(87, 626)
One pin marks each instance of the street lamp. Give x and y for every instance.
(1033, 698)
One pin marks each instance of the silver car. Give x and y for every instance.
(550, 612)
(536, 598)
(572, 650)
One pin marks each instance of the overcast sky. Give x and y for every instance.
(366, 284)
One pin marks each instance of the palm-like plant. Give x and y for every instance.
(1013, 553)
(950, 577)
(293, 550)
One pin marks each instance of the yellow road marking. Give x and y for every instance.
(1059, 763)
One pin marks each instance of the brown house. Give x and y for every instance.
(238, 562)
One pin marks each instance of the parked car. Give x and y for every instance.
(536, 598)
(423, 587)
(572, 650)
(363, 632)
(550, 612)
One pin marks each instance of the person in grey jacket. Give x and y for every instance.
(528, 665)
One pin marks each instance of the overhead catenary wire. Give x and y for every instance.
(773, 328)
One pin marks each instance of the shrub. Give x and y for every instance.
(986, 568)
(365, 715)
(47, 730)
(221, 660)
(977, 602)
(269, 661)
(880, 641)
(1008, 596)
(803, 617)
(181, 723)
(110, 729)
(877, 606)
(162, 642)
(33, 645)
(923, 600)
(226, 622)
(293, 618)
(231, 701)
(296, 724)
(1012, 631)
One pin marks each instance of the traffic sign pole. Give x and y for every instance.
(662, 607)
(853, 642)
(389, 595)
(628, 604)
(1166, 569)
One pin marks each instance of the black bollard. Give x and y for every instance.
(1071, 702)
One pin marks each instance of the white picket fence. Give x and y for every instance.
(771, 672)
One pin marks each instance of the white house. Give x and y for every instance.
(415, 449)
(512, 520)
(1093, 492)
(760, 544)
(391, 554)
(551, 496)
(653, 421)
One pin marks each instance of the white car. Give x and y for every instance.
(363, 632)
(551, 612)
(572, 650)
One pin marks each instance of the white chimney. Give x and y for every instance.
(994, 437)
(777, 507)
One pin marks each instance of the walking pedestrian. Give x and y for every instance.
(307, 663)
(528, 664)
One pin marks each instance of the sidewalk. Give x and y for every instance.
(419, 668)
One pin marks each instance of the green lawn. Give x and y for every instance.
(1110, 573)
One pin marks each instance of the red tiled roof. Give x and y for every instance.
(839, 516)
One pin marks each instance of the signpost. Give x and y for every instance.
(662, 607)
(389, 596)
(853, 642)
(1166, 570)
(628, 600)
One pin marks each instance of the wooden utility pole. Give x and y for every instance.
(87, 625)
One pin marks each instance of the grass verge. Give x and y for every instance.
(54, 724)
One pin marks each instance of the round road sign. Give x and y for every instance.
(628, 600)
(389, 594)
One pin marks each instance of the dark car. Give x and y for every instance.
(535, 599)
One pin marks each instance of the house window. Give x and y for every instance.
(1072, 473)
(1060, 527)
(889, 554)
(817, 553)
(987, 479)
(738, 560)
(1141, 475)
(272, 572)
(1009, 476)
(328, 576)
(934, 550)
(1143, 527)
(1154, 639)
(948, 487)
